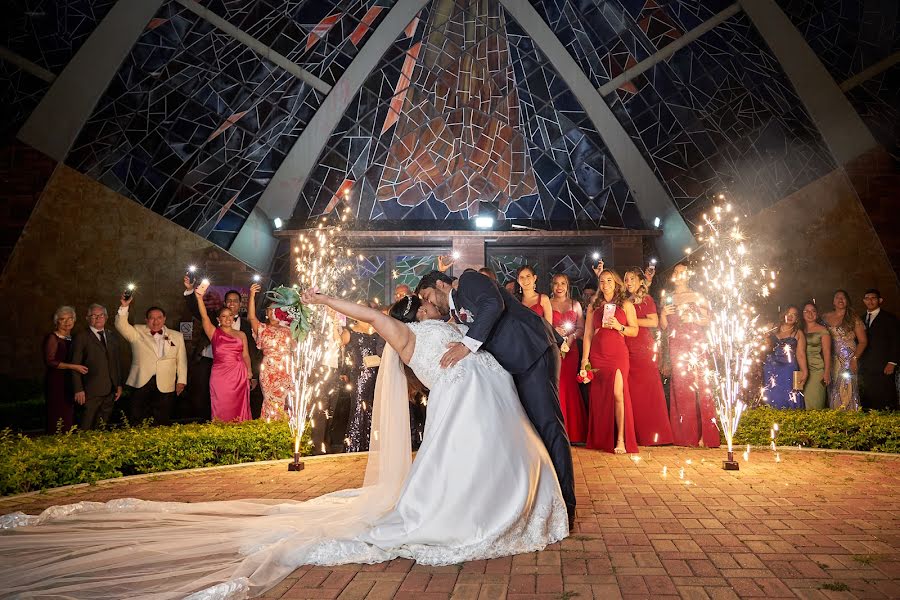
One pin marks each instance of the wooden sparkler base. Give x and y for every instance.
(295, 466)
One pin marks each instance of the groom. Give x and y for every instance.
(522, 342)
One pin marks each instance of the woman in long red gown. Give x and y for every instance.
(692, 412)
(568, 320)
(610, 421)
(651, 417)
(229, 381)
(530, 297)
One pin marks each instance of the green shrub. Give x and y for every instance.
(29, 464)
(832, 429)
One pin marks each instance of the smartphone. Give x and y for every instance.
(609, 311)
(669, 300)
(341, 319)
(129, 291)
(191, 274)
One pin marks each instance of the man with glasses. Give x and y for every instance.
(98, 349)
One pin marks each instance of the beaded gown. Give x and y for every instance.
(843, 393)
(360, 346)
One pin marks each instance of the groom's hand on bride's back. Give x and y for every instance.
(455, 353)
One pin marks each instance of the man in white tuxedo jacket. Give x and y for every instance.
(158, 364)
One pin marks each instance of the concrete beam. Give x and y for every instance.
(26, 65)
(652, 199)
(61, 114)
(844, 132)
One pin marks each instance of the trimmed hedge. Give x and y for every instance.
(29, 464)
(827, 429)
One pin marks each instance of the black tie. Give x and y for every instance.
(868, 319)
(102, 338)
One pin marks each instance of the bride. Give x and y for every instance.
(481, 486)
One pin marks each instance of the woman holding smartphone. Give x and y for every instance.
(610, 319)
(684, 318)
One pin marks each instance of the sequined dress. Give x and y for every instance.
(843, 393)
(778, 373)
(363, 378)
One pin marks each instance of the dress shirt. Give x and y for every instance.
(471, 344)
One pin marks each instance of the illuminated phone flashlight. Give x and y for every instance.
(454, 255)
(191, 273)
(595, 256)
(257, 278)
(652, 261)
(568, 326)
(129, 291)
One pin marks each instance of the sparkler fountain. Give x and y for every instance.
(320, 262)
(730, 282)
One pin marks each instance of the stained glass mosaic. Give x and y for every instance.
(576, 263)
(878, 103)
(721, 116)
(464, 114)
(371, 279)
(194, 125)
(20, 92)
(50, 32)
(321, 36)
(409, 269)
(847, 35)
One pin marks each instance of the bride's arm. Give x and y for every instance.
(393, 331)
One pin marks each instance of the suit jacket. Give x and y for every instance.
(509, 330)
(884, 343)
(203, 341)
(104, 363)
(169, 370)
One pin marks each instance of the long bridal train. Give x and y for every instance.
(481, 486)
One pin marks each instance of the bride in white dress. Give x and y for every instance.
(481, 486)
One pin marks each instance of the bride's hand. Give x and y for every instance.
(457, 351)
(312, 296)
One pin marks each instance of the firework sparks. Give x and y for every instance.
(322, 263)
(729, 282)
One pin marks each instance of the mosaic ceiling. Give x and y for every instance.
(463, 115)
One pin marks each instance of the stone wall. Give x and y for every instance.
(23, 173)
(820, 239)
(83, 243)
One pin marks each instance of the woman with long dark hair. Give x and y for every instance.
(529, 296)
(568, 321)
(787, 355)
(848, 338)
(818, 358)
(610, 319)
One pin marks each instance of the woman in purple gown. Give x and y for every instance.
(57, 383)
(229, 382)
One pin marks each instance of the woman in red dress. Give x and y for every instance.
(530, 297)
(610, 421)
(568, 320)
(651, 417)
(692, 411)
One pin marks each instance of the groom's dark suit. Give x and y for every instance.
(526, 346)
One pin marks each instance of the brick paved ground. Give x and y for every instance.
(813, 526)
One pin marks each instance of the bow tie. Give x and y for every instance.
(156, 332)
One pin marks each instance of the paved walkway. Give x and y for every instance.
(672, 524)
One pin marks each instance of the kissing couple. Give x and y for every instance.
(483, 484)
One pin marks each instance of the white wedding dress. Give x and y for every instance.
(482, 486)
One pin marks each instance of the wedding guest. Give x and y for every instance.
(401, 291)
(361, 345)
(818, 358)
(648, 401)
(201, 368)
(587, 294)
(879, 361)
(229, 380)
(529, 296)
(787, 355)
(568, 320)
(57, 385)
(684, 318)
(158, 363)
(511, 286)
(489, 272)
(273, 338)
(610, 319)
(848, 340)
(99, 388)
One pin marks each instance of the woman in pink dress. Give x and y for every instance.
(610, 421)
(229, 381)
(651, 417)
(568, 320)
(274, 339)
(692, 412)
(530, 297)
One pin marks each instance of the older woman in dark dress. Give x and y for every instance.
(57, 380)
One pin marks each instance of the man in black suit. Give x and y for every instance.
(201, 365)
(879, 360)
(522, 342)
(98, 349)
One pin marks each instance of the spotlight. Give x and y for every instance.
(484, 222)
(656, 222)
(278, 222)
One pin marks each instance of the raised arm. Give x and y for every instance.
(393, 331)
(125, 329)
(251, 308)
(208, 328)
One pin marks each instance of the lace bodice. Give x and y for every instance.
(432, 338)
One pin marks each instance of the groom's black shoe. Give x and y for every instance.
(571, 522)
